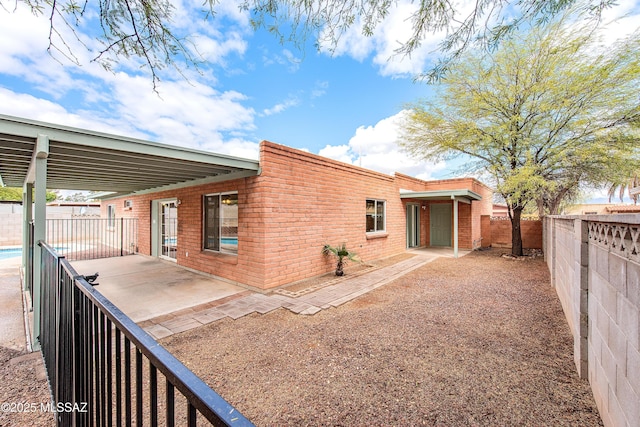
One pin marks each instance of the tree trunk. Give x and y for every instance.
(516, 233)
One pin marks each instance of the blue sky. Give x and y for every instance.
(251, 88)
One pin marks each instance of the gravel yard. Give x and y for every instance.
(476, 341)
(23, 390)
(480, 340)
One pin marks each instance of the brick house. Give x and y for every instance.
(260, 224)
(268, 229)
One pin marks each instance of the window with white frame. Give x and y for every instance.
(221, 222)
(376, 215)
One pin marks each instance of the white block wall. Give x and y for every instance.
(597, 278)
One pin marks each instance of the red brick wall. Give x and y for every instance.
(298, 203)
(499, 234)
(246, 267)
(486, 230)
(310, 201)
(469, 226)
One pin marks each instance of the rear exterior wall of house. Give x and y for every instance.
(298, 203)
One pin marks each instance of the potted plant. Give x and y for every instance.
(340, 252)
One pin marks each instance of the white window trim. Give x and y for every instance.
(111, 220)
(384, 215)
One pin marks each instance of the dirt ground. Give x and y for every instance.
(24, 392)
(480, 340)
(475, 341)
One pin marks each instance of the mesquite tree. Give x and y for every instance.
(546, 111)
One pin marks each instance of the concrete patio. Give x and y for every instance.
(145, 288)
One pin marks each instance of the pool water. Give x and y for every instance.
(8, 253)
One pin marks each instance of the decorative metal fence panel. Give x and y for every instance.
(105, 370)
(91, 238)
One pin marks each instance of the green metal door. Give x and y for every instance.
(440, 224)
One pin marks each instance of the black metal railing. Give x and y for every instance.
(104, 369)
(92, 238)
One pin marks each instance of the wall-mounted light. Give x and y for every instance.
(424, 207)
(178, 202)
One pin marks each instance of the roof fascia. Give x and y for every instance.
(440, 194)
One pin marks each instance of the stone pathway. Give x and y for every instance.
(309, 303)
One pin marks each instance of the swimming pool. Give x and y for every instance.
(229, 240)
(8, 253)
(223, 240)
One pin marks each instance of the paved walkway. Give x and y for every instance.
(238, 305)
(12, 332)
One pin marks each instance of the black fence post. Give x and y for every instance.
(121, 236)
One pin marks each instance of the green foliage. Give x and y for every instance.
(10, 193)
(342, 254)
(545, 112)
(15, 194)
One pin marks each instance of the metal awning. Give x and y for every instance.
(463, 195)
(36, 156)
(79, 159)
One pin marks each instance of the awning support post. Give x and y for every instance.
(455, 227)
(38, 174)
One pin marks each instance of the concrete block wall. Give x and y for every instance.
(567, 275)
(11, 220)
(606, 283)
(11, 228)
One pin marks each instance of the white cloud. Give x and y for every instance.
(215, 51)
(375, 147)
(341, 153)
(621, 20)
(396, 29)
(319, 89)
(285, 58)
(389, 35)
(187, 112)
(291, 101)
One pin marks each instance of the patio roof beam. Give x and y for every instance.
(79, 154)
(75, 169)
(182, 170)
(207, 180)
